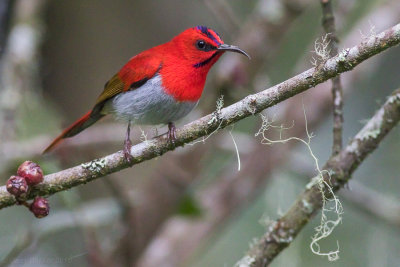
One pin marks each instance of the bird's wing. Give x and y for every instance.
(132, 75)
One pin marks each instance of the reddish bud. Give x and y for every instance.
(17, 186)
(40, 207)
(31, 172)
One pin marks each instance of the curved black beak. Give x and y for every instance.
(232, 48)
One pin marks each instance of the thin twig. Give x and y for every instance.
(252, 104)
(328, 22)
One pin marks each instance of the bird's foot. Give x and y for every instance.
(127, 150)
(171, 133)
(128, 144)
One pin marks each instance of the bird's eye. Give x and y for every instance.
(201, 45)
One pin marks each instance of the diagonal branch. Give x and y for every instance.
(341, 167)
(252, 104)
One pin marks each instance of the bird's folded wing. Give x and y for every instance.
(132, 75)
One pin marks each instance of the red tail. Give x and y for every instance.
(77, 127)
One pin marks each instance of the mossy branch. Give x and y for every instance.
(340, 168)
(252, 104)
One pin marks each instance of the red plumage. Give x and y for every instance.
(171, 75)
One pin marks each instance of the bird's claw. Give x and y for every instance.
(127, 151)
(171, 133)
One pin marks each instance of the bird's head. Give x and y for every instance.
(201, 47)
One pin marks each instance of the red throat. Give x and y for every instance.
(184, 81)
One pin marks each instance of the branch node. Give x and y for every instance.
(252, 105)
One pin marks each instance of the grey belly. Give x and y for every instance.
(148, 104)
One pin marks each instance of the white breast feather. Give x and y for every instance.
(148, 104)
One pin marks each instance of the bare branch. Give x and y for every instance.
(252, 104)
(328, 22)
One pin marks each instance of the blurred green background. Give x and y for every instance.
(78, 45)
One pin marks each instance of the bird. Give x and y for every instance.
(157, 86)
